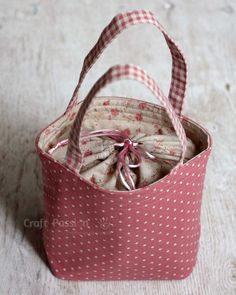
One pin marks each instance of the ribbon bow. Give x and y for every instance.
(129, 153)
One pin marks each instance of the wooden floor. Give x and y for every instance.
(42, 46)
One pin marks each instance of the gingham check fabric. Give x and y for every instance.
(119, 72)
(124, 21)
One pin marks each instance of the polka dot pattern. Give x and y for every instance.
(150, 233)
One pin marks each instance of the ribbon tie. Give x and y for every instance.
(129, 153)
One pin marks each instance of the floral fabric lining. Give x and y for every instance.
(143, 122)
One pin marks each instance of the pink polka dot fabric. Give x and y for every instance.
(150, 233)
(146, 234)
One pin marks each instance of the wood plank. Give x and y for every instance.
(42, 46)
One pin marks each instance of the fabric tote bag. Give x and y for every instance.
(123, 178)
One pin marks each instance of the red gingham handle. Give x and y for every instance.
(118, 72)
(117, 25)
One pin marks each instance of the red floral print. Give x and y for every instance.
(110, 172)
(127, 131)
(106, 103)
(88, 153)
(142, 105)
(84, 141)
(115, 112)
(139, 117)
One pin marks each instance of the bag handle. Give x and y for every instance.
(115, 73)
(122, 22)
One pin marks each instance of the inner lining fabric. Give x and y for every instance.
(146, 124)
